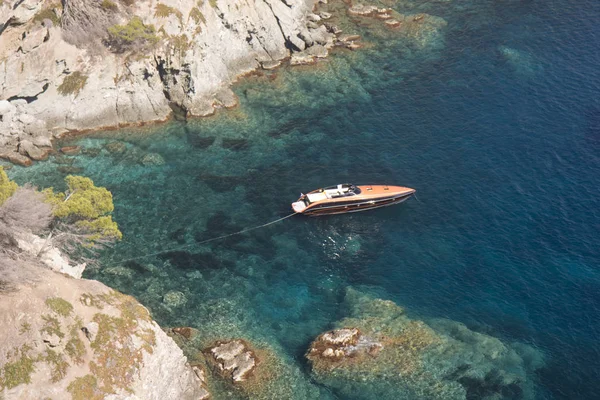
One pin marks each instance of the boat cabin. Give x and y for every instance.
(332, 192)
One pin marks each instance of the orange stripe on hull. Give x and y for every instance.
(333, 201)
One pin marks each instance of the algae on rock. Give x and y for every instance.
(49, 346)
(388, 354)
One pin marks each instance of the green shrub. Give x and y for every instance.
(47, 13)
(101, 228)
(132, 36)
(86, 201)
(85, 388)
(109, 5)
(181, 44)
(58, 364)
(164, 11)
(7, 187)
(87, 207)
(72, 84)
(17, 372)
(197, 16)
(59, 306)
(51, 326)
(213, 3)
(75, 347)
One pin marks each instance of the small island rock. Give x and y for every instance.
(379, 350)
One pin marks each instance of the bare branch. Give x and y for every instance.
(26, 211)
(15, 272)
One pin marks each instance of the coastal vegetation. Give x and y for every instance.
(83, 212)
(77, 221)
(180, 43)
(164, 11)
(47, 13)
(197, 16)
(18, 371)
(7, 187)
(133, 36)
(73, 84)
(109, 5)
(59, 306)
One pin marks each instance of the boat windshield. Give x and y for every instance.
(342, 190)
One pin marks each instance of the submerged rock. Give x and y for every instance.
(69, 170)
(521, 61)
(185, 331)
(237, 368)
(362, 9)
(115, 147)
(152, 159)
(379, 351)
(70, 150)
(174, 299)
(234, 358)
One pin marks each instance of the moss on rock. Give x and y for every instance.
(51, 326)
(18, 371)
(394, 356)
(73, 84)
(59, 306)
(85, 388)
(57, 363)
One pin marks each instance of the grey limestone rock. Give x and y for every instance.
(216, 46)
(234, 357)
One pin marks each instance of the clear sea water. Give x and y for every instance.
(497, 126)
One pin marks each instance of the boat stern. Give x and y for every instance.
(299, 206)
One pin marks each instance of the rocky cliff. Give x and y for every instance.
(89, 64)
(69, 338)
(82, 65)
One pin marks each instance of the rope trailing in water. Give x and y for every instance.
(204, 241)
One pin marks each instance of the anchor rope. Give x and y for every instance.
(203, 241)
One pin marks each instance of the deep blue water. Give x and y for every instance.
(503, 147)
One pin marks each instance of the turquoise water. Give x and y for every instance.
(496, 124)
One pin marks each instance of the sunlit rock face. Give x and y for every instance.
(82, 64)
(379, 351)
(77, 339)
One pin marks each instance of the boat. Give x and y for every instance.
(347, 198)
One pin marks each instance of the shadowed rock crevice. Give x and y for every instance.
(32, 98)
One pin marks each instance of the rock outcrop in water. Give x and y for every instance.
(234, 358)
(380, 352)
(241, 369)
